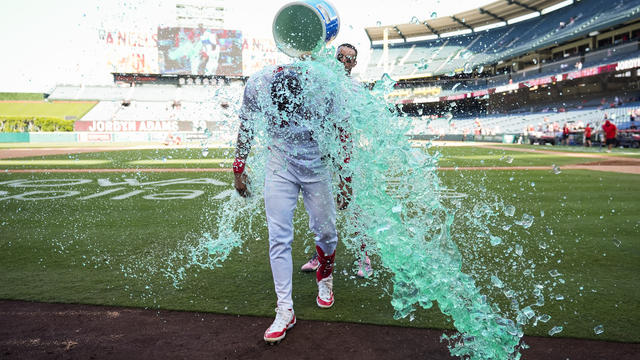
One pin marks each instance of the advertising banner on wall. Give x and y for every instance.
(125, 126)
(130, 51)
(117, 126)
(199, 51)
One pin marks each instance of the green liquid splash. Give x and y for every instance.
(402, 218)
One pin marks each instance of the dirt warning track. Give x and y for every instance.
(601, 166)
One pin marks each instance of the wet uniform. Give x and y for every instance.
(295, 165)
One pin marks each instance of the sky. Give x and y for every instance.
(55, 42)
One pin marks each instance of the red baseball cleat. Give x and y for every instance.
(285, 319)
(325, 293)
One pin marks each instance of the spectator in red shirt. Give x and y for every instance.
(587, 136)
(610, 131)
(565, 134)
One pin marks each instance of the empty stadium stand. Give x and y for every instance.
(156, 102)
(468, 52)
(511, 69)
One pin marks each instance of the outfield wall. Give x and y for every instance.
(111, 137)
(190, 136)
(499, 138)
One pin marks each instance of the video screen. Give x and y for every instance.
(199, 51)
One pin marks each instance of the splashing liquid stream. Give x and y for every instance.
(395, 195)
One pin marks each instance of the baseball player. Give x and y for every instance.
(212, 50)
(346, 54)
(276, 97)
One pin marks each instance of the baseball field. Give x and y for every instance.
(109, 227)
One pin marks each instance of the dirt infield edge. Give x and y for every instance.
(67, 331)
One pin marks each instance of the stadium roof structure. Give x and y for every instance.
(493, 13)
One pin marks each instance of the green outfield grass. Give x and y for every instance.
(55, 109)
(101, 247)
(12, 96)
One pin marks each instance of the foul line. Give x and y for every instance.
(133, 170)
(495, 168)
(117, 170)
(608, 168)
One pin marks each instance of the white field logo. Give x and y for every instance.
(31, 190)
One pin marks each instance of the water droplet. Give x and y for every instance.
(509, 159)
(556, 169)
(544, 318)
(519, 249)
(598, 329)
(526, 221)
(422, 64)
(434, 15)
(528, 312)
(559, 297)
(496, 282)
(509, 210)
(554, 273)
(449, 117)
(617, 242)
(414, 20)
(378, 23)
(555, 330)
(495, 240)
(205, 152)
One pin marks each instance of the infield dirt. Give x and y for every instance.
(63, 331)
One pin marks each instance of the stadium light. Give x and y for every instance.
(556, 7)
(523, 18)
(490, 26)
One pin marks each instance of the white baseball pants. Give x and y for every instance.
(283, 183)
